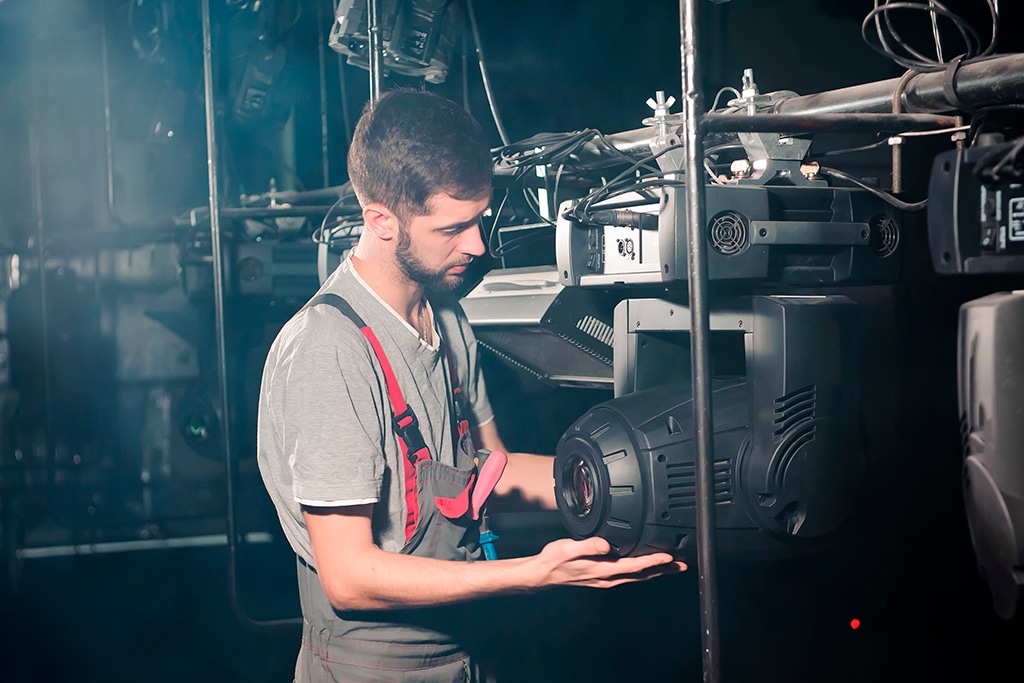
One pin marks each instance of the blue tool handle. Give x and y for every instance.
(487, 539)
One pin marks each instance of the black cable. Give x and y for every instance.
(483, 73)
(324, 236)
(608, 146)
(891, 44)
(885, 196)
(604, 192)
(935, 9)
(988, 173)
(542, 148)
(724, 147)
(494, 225)
(516, 242)
(850, 150)
(983, 114)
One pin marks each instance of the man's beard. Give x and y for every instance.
(413, 268)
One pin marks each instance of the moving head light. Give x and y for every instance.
(990, 396)
(418, 36)
(808, 236)
(789, 461)
(976, 208)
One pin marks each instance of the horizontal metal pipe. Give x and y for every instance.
(996, 80)
(635, 143)
(202, 215)
(824, 123)
(992, 81)
(296, 196)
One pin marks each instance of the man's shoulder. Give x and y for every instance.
(317, 326)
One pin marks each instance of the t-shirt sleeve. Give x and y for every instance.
(330, 405)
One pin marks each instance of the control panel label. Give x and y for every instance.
(1015, 219)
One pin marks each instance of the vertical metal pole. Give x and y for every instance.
(700, 357)
(218, 281)
(325, 163)
(373, 30)
(218, 300)
(465, 69)
(107, 125)
(36, 164)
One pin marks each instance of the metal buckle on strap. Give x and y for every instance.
(408, 430)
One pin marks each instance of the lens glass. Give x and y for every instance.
(581, 488)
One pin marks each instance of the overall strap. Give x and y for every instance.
(410, 440)
(461, 419)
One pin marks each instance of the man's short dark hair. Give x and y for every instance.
(412, 145)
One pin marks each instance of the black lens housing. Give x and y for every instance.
(638, 452)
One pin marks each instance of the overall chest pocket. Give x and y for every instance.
(445, 529)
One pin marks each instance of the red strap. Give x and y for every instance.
(404, 419)
(462, 420)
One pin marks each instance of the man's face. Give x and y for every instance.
(434, 250)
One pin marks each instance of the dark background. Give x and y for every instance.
(72, 466)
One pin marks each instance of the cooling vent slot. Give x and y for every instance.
(794, 408)
(965, 434)
(727, 233)
(885, 235)
(681, 479)
(794, 422)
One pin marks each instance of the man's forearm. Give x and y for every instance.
(380, 580)
(364, 577)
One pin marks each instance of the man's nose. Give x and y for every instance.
(473, 242)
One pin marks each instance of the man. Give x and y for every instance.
(388, 540)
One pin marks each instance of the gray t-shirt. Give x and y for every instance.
(325, 435)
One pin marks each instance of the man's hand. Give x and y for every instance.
(587, 563)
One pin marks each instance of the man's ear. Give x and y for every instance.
(381, 220)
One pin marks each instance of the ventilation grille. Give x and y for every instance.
(794, 423)
(727, 233)
(681, 480)
(795, 408)
(885, 235)
(598, 329)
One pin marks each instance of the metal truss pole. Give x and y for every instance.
(218, 299)
(700, 334)
(373, 31)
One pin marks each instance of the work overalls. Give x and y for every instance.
(402, 645)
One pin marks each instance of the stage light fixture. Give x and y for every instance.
(418, 36)
(788, 456)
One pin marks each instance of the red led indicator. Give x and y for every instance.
(855, 624)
